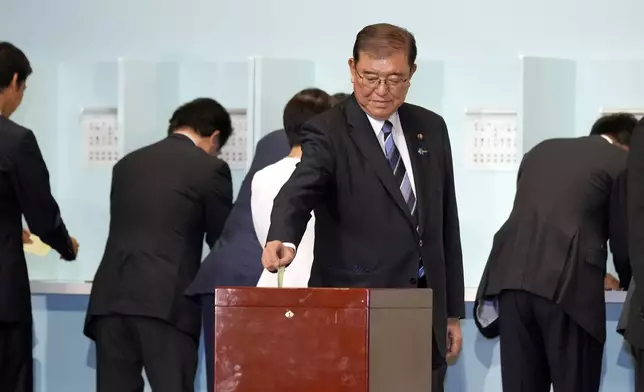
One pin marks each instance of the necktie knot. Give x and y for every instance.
(387, 127)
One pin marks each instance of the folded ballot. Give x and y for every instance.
(37, 247)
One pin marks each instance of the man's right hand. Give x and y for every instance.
(276, 255)
(26, 237)
(75, 247)
(611, 283)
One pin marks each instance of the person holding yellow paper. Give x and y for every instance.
(24, 190)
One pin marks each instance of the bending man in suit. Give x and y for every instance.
(234, 260)
(543, 285)
(268, 181)
(164, 198)
(631, 323)
(378, 173)
(24, 190)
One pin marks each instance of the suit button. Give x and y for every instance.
(420, 243)
(413, 281)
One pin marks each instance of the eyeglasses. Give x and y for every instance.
(393, 83)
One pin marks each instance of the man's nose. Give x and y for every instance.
(382, 89)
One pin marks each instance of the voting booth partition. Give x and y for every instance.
(322, 339)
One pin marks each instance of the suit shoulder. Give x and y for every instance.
(214, 169)
(216, 163)
(422, 112)
(273, 138)
(13, 130)
(329, 119)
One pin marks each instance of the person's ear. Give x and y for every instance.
(215, 136)
(352, 69)
(14, 82)
(214, 142)
(413, 71)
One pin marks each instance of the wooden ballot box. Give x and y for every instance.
(322, 340)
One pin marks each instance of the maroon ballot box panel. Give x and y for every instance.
(322, 340)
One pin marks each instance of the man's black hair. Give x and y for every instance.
(204, 116)
(299, 109)
(619, 126)
(12, 62)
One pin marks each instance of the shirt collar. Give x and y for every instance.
(189, 136)
(609, 140)
(378, 124)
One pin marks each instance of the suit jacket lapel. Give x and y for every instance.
(418, 155)
(364, 137)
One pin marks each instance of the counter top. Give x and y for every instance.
(44, 287)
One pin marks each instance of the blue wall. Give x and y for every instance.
(65, 358)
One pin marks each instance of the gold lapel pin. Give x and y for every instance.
(419, 136)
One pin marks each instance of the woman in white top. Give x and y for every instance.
(268, 182)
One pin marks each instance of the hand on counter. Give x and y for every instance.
(611, 283)
(26, 237)
(75, 247)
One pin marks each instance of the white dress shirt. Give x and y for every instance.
(401, 144)
(265, 186)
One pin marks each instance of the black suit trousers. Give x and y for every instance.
(638, 356)
(126, 345)
(16, 357)
(541, 345)
(208, 321)
(439, 363)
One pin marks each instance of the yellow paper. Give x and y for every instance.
(36, 247)
(280, 277)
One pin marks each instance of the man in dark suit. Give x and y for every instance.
(164, 198)
(378, 173)
(234, 260)
(543, 286)
(24, 190)
(632, 321)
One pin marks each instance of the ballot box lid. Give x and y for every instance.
(341, 298)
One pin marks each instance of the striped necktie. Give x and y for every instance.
(400, 173)
(398, 166)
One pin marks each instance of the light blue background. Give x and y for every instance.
(173, 51)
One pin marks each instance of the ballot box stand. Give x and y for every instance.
(322, 340)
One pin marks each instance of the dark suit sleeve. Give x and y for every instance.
(305, 188)
(31, 182)
(618, 230)
(635, 206)
(452, 238)
(218, 201)
(520, 171)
